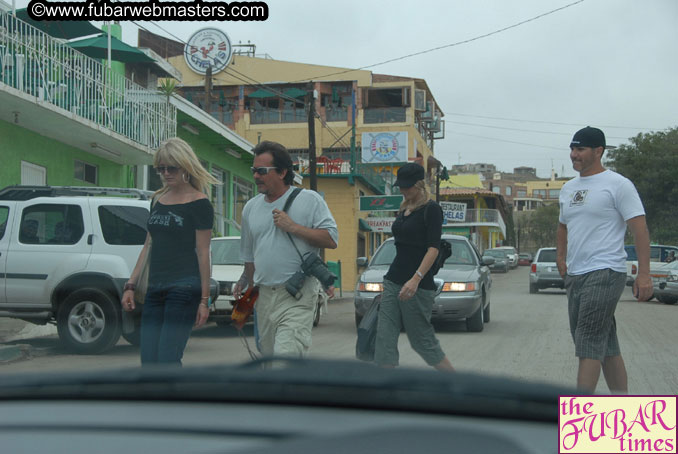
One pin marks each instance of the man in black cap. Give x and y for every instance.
(595, 209)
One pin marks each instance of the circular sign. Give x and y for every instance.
(208, 47)
(384, 147)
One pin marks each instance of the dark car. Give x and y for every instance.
(524, 259)
(502, 262)
(463, 284)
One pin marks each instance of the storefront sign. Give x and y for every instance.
(380, 224)
(453, 211)
(208, 47)
(380, 202)
(384, 147)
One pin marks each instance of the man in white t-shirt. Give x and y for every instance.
(595, 209)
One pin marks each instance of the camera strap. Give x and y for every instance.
(288, 203)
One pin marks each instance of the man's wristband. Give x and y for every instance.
(421, 276)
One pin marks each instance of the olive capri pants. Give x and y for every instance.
(415, 315)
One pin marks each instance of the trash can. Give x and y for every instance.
(335, 267)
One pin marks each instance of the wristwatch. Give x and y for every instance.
(129, 286)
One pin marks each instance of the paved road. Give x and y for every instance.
(527, 338)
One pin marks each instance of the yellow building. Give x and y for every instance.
(265, 99)
(547, 190)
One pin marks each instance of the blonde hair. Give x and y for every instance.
(420, 200)
(178, 153)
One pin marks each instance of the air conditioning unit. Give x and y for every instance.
(428, 114)
(420, 100)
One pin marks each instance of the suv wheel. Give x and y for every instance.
(475, 322)
(88, 321)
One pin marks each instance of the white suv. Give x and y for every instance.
(65, 254)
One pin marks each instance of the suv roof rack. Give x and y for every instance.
(20, 192)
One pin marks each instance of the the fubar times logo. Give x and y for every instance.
(617, 424)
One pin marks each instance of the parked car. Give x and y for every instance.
(524, 259)
(227, 267)
(66, 254)
(658, 255)
(544, 271)
(512, 255)
(463, 284)
(501, 259)
(665, 283)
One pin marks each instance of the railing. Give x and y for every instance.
(484, 216)
(336, 114)
(385, 115)
(266, 116)
(326, 166)
(36, 64)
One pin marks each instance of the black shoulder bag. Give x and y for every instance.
(444, 250)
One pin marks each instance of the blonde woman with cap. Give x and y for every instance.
(180, 226)
(409, 290)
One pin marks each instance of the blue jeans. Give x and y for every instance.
(167, 319)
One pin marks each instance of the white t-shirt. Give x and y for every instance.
(595, 210)
(268, 247)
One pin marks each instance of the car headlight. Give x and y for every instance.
(371, 287)
(459, 286)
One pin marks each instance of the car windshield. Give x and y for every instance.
(226, 251)
(496, 253)
(547, 255)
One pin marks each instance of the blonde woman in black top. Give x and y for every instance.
(180, 226)
(409, 289)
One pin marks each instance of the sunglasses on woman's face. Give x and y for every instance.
(261, 170)
(169, 169)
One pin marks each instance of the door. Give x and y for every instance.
(32, 174)
(6, 213)
(50, 243)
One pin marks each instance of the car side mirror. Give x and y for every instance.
(487, 260)
(361, 261)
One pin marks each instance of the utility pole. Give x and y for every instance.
(311, 138)
(208, 88)
(438, 182)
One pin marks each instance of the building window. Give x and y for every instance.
(386, 105)
(521, 193)
(243, 190)
(554, 193)
(539, 193)
(496, 189)
(507, 190)
(85, 172)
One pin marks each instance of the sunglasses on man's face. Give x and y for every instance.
(169, 169)
(261, 170)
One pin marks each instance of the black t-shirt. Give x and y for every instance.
(172, 229)
(413, 235)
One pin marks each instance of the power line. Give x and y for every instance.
(523, 130)
(508, 141)
(458, 43)
(542, 121)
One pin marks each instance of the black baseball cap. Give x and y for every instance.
(409, 174)
(588, 137)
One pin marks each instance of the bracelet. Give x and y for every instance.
(129, 286)
(421, 276)
(204, 297)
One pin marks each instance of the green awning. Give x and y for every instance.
(295, 92)
(97, 47)
(60, 28)
(363, 226)
(261, 93)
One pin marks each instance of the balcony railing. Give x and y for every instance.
(480, 216)
(36, 64)
(385, 115)
(267, 116)
(325, 166)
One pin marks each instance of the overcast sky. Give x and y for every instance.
(511, 99)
